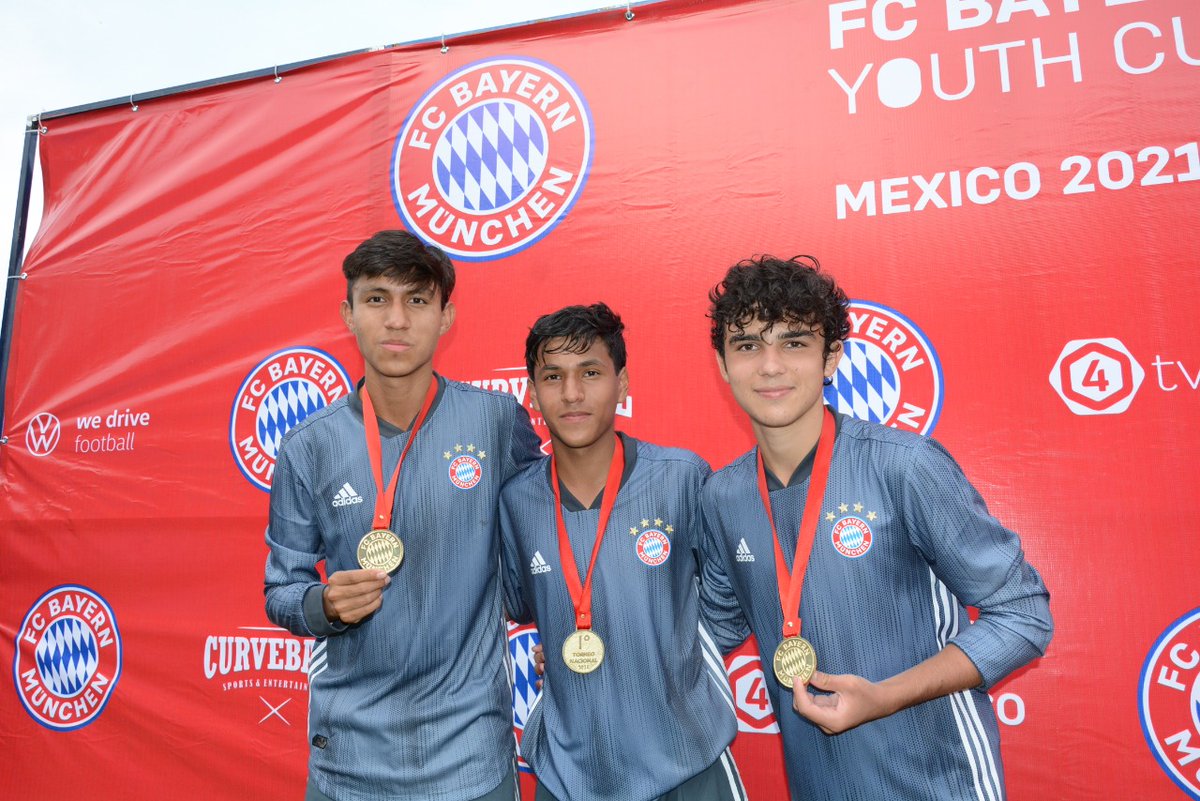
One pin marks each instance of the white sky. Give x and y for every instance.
(56, 54)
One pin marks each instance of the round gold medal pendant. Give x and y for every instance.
(380, 549)
(794, 657)
(583, 651)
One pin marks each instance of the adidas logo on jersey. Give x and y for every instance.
(743, 552)
(346, 496)
(538, 565)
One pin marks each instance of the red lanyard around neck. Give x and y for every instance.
(790, 585)
(384, 498)
(581, 595)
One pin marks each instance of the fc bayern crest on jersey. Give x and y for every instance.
(652, 545)
(465, 469)
(278, 393)
(889, 374)
(491, 158)
(1169, 701)
(68, 658)
(521, 640)
(852, 537)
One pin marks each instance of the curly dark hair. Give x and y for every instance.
(579, 327)
(774, 291)
(402, 257)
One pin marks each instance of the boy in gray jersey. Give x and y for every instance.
(897, 546)
(600, 547)
(409, 694)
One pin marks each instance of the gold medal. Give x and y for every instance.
(380, 549)
(583, 651)
(794, 657)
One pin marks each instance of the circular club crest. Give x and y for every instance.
(465, 472)
(852, 537)
(889, 373)
(492, 157)
(1169, 701)
(68, 658)
(278, 393)
(653, 547)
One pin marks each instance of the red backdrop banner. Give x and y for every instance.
(1006, 188)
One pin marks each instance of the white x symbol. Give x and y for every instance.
(275, 709)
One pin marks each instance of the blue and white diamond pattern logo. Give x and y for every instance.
(277, 395)
(66, 656)
(889, 373)
(284, 406)
(867, 386)
(489, 157)
(521, 640)
(492, 158)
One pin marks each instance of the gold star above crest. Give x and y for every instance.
(658, 522)
(633, 530)
(645, 522)
(482, 455)
(446, 455)
(843, 508)
(829, 516)
(669, 529)
(470, 449)
(871, 515)
(858, 507)
(458, 448)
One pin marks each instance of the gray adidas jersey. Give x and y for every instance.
(902, 543)
(414, 702)
(658, 710)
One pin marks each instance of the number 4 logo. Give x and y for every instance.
(1096, 376)
(754, 712)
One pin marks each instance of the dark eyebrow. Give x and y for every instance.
(589, 363)
(744, 337)
(789, 334)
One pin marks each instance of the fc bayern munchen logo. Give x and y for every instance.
(278, 393)
(852, 537)
(492, 157)
(889, 374)
(465, 472)
(653, 547)
(1169, 701)
(68, 658)
(521, 640)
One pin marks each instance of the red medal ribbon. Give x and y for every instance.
(581, 596)
(790, 586)
(384, 498)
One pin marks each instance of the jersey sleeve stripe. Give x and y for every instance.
(971, 730)
(716, 665)
(736, 790)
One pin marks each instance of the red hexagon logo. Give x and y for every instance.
(754, 710)
(1096, 376)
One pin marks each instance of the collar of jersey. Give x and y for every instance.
(803, 470)
(572, 504)
(386, 429)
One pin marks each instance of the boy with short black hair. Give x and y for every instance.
(409, 694)
(601, 546)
